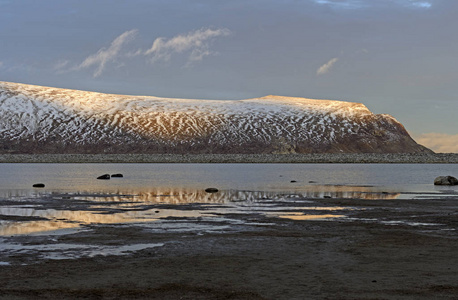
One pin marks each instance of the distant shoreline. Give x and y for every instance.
(231, 158)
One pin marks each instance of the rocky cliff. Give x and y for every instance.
(36, 119)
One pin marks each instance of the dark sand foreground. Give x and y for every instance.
(382, 249)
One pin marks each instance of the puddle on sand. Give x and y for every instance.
(58, 212)
(70, 251)
(63, 219)
(47, 212)
(306, 217)
(409, 223)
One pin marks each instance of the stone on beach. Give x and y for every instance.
(38, 185)
(104, 176)
(211, 190)
(445, 180)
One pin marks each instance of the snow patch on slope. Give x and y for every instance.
(45, 113)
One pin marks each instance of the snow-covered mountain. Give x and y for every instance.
(36, 119)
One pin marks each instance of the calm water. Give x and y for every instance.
(259, 177)
(74, 198)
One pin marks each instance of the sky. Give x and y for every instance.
(397, 57)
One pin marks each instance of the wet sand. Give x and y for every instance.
(381, 249)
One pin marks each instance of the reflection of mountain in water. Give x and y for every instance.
(185, 195)
(70, 210)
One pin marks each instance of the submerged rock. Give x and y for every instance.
(38, 185)
(119, 175)
(211, 190)
(445, 180)
(104, 176)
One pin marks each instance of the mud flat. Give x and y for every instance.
(365, 249)
(230, 158)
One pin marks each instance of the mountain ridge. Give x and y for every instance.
(36, 119)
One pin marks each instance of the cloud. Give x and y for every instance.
(105, 55)
(196, 43)
(359, 4)
(439, 142)
(326, 67)
(135, 53)
(344, 4)
(418, 4)
(61, 65)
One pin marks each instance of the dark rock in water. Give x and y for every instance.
(292, 181)
(119, 175)
(311, 181)
(211, 190)
(445, 180)
(104, 176)
(38, 185)
(327, 197)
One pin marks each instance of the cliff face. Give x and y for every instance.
(35, 119)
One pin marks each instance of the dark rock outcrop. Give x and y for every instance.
(445, 180)
(104, 177)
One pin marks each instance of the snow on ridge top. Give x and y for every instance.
(308, 101)
(103, 103)
(36, 118)
(325, 106)
(28, 88)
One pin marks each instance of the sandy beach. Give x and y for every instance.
(381, 249)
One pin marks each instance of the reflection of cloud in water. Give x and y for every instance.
(12, 228)
(305, 217)
(62, 219)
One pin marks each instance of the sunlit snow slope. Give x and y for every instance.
(35, 119)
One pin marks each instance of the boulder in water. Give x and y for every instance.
(104, 176)
(445, 180)
(119, 175)
(211, 190)
(38, 185)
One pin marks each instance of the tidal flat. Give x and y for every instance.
(271, 231)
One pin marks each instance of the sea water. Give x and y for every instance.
(74, 198)
(263, 177)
